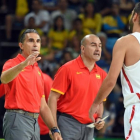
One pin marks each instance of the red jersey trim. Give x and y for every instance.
(131, 118)
(128, 82)
(57, 91)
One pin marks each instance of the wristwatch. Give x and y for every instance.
(55, 130)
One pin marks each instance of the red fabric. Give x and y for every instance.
(47, 87)
(2, 91)
(131, 118)
(26, 90)
(128, 82)
(78, 88)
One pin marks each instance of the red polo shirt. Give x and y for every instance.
(26, 90)
(78, 88)
(47, 88)
(2, 91)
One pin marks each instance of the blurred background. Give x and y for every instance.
(61, 25)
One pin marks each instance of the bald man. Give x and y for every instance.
(74, 89)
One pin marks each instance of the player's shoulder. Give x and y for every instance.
(124, 41)
(127, 38)
(13, 60)
(69, 64)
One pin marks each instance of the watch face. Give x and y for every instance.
(55, 130)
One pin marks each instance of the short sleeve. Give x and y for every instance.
(61, 80)
(8, 64)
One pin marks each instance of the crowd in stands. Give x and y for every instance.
(61, 25)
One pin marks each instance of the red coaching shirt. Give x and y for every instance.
(2, 91)
(26, 90)
(47, 88)
(78, 88)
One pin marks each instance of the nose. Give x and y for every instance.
(98, 47)
(35, 44)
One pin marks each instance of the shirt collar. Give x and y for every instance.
(82, 65)
(20, 57)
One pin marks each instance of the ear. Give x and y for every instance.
(135, 17)
(20, 45)
(82, 48)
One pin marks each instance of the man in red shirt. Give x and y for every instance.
(74, 89)
(24, 92)
(44, 130)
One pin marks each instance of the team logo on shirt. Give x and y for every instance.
(78, 72)
(98, 76)
(39, 73)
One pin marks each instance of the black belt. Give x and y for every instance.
(66, 115)
(34, 115)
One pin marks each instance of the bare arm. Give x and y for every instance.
(48, 118)
(100, 125)
(52, 101)
(46, 114)
(100, 110)
(110, 81)
(10, 74)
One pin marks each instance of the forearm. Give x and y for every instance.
(10, 74)
(53, 107)
(100, 110)
(47, 117)
(107, 86)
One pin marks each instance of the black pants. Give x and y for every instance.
(45, 137)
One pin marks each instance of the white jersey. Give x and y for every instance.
(130, 79)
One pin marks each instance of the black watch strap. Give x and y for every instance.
(55, 130)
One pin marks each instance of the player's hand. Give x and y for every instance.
(56, 136)
(32, 58)
(50, 134)
(92, 111)
(99, 123)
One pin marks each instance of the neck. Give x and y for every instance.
(23, 55)
(136, 28)
(88, 62)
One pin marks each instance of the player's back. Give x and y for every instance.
(130, 73)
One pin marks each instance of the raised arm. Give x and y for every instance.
(10, 74)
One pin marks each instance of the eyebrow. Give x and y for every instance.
(33, 39)
(93, 43)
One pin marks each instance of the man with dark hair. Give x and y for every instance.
(74, 89)
(24, 93)
(126, 58)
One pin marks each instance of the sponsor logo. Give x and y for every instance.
(98, 76)
(78, 72)
(39, 73)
